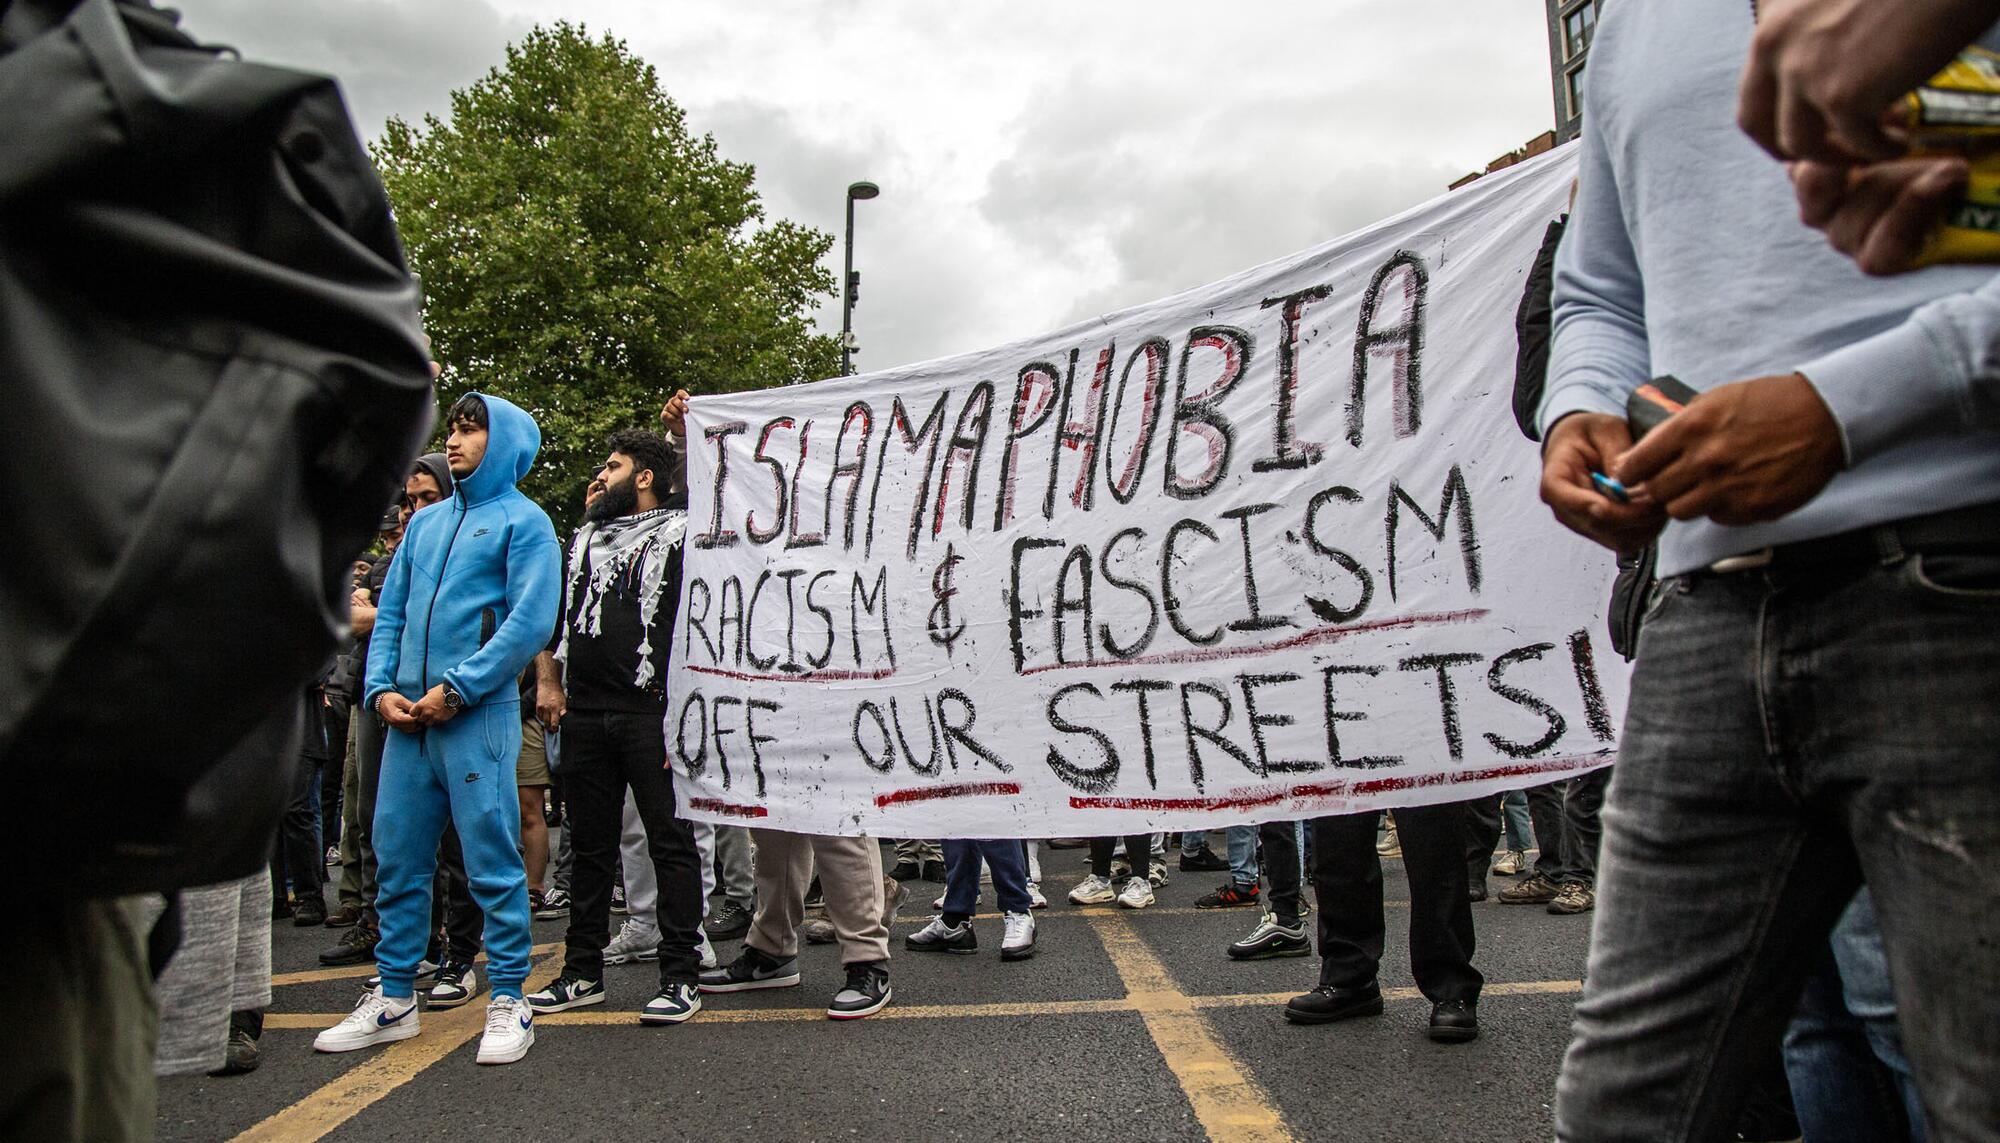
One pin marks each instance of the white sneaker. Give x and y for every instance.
(376, 1020)
(510, 1031)
(634, 940)
(1019, 943)
(1138, 893)
(1035, 898)
(1092, 890)
(707, 952)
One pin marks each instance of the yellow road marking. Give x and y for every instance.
(1230, 1106)
(1521, 988)
(364, 971)
(354, 1090)
(600, 1017)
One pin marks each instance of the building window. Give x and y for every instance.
(1573, 88)
(1577, 29)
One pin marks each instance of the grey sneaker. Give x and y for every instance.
(752, 969)
(867, 992)
(635, 939)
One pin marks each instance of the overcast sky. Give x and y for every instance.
(1040, 160)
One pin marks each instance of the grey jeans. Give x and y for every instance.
(1788, 733)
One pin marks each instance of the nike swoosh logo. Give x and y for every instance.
(472, 777)
(385, 1020)
(481, 532)
(527, 1022)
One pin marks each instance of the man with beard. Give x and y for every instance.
(620, 594)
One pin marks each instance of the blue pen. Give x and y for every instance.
(1610, 487)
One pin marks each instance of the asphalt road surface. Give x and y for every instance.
(1126, 1024)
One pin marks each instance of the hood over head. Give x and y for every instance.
(439, 469)
(512, 442)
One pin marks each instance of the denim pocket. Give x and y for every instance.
(1664, 591)
(1970, 576)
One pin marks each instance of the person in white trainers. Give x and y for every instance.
(604, 687)
(1097, 889)
(951, 930)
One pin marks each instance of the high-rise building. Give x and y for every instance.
(1571, 25)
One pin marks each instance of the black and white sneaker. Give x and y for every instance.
(618, 900)
(675, 1004)
(867, 991)
(454, 986)
(940, 937)
(426, 975)
(566, 993)
(1271, 939)
(555, 903)
(752, 969)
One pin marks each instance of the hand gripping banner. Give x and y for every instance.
(1267, 549)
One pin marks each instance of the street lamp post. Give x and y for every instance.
(849, 279)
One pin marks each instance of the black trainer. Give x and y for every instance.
(867, 991)
(1203, 860)
(239, 1055)
(933, 871)
(727, 923)
(1274, 937)
(752, 969)
(310, 912)
(940, 937)
(566, 992)
(1454, 1021)
(1328, 1003)
(907, 870)
(357, 946)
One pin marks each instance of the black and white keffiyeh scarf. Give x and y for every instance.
(626, 557)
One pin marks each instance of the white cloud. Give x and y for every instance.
(1039, 161)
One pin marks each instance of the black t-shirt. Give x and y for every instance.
(601, 669)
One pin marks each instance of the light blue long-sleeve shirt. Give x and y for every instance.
(1685, 255)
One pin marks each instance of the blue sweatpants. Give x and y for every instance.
(464, 769)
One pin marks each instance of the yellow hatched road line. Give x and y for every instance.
(1231, 1107)
(366, 1083)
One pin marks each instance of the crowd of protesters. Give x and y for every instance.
(1788, 872)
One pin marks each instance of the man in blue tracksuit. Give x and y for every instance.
(471, 597)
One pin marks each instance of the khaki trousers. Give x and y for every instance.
(850, 874)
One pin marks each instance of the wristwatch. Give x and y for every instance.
(452, 699)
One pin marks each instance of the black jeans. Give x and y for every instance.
(1283, 866)
(1347, 880)
(1481, 824)
(453, 911)
(1568, 826)
(369, 733)
(603, 752)
(299, 856)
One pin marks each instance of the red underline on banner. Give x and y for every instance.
(933, 793)
(1311, 638)
(814, 677)
(717, 806)
(1246, 800)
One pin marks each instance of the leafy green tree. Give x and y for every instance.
(583, 254)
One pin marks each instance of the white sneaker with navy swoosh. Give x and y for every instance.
(510, 1031)
(376, 1020)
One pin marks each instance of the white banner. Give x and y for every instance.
(1264, 550)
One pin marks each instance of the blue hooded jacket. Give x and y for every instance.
(473, 591)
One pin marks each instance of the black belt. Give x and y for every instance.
(1976, 528)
